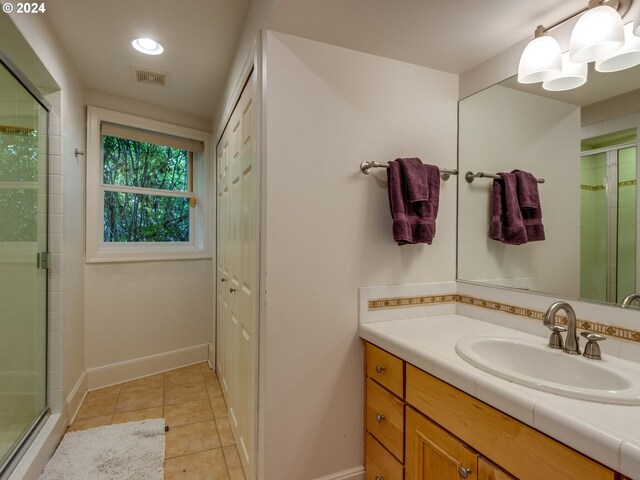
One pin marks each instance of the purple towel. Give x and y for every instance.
(507, 225)
(529, 200)
(417, 183)
(413, 222)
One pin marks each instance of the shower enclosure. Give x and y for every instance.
(608, 217)
(23, 262)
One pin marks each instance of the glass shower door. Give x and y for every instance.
(608, 219)
(23, 264)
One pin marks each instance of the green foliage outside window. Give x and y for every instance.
(140, 217)
(19, 206)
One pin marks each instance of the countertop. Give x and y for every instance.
(607, 433)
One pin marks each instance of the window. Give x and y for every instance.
(146, 189)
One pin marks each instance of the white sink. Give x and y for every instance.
(534, 364)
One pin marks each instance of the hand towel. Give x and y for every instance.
(529, 200)
(417, 183)
(507, 225)
(413, 222)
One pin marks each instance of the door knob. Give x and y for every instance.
(379, 368)
(223, 280)
(379, 418)
(231, 290)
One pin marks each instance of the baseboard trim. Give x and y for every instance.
(212, 357)
(142, 367)
(75, 398)
(356, 473)
(40, 451)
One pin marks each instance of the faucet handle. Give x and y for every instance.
(592, 349)
(555, 340)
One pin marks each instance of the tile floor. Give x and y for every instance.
(199, 444)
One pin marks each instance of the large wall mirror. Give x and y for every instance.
(583, 143)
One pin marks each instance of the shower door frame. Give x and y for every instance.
(28, 437)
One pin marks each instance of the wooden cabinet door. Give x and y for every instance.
(488, 471)
(434, 454)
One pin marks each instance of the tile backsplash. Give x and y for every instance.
(511, 308)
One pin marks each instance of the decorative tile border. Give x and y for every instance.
(401, 302)
(626, 183)
(16, 130)
(404, 302)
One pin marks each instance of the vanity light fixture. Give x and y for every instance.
(598, 33)
(572, 76)
(541, 59)
(147, 46)
(599, 36)
(626, 57)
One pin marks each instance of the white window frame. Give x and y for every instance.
(97, 250)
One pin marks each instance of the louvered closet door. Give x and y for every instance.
(237, 264)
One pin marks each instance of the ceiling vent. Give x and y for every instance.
(150, 77)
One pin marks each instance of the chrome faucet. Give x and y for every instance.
(572, 345)
(629, 299)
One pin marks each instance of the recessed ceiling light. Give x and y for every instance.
(148, 46)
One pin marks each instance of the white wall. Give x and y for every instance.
(137, 310)
(147, 315)
(257, 19)
(66, 329)
(502, 129)
(146, 110)
(329, 232)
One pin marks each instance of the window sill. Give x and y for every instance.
(146, 255)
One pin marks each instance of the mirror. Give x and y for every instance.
(583, 143)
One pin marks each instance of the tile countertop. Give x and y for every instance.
(607, 433)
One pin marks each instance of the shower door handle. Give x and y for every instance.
(43, 260)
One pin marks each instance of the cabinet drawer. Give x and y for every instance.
(386, 369)
(385, 418)
(380, 464)
(488, 471)
(520, 449)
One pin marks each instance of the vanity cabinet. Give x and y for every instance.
(449, 435)
(488, 471)
(384, 415)
(434, 453)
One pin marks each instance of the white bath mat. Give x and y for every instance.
(127, 451)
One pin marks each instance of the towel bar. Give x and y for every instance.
(366, 167)
(470, 176)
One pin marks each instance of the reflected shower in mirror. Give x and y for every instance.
(583, 142)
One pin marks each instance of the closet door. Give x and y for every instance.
(238, 269)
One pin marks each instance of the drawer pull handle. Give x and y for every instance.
(232, 290)
(379, 418)
(379, 368)
(464, 472)
(378, 477)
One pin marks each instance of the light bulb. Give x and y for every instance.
(148, 46)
